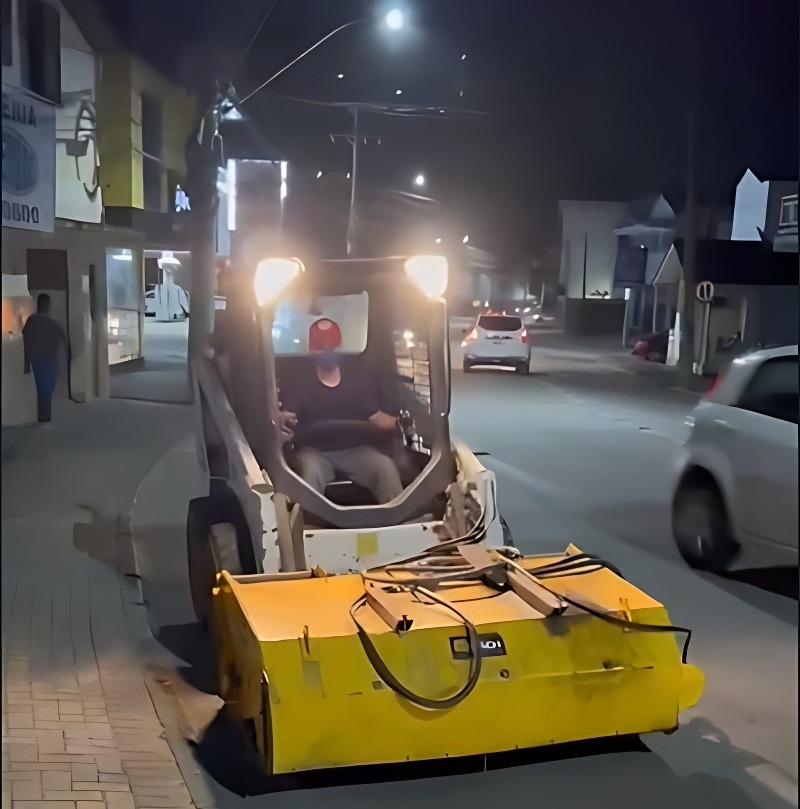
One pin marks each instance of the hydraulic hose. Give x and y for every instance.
(443, 564)
(385, 673)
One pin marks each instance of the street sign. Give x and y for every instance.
(705, 292)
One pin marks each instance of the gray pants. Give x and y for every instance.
(366, 466)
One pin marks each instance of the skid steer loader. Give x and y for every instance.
(351, 632)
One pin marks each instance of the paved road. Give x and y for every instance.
(584, 451)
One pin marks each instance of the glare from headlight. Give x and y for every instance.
(429, 273)
(272, 276)
(527, 309)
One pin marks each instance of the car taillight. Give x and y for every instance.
(714, 386)
(524, 336)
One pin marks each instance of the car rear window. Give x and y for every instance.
(774, 390)
(499, 323)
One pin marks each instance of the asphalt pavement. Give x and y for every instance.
(585, 450)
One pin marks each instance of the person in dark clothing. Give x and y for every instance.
(42, 338)
(335, 392)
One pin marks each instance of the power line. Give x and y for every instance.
(258, 31)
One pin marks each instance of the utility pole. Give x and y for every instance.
(353, 139)
(202, 164)
(351, 221)
(686, 294)
(585, 252)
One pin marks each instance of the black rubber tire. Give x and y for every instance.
(508, 539)
(467, 368)
(523, 368)
(701, 528)
(202, 569)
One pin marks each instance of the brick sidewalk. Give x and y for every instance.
(79, 728)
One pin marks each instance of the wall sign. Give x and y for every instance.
(29, 157)
(78, 193)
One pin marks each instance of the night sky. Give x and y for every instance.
(585, 99)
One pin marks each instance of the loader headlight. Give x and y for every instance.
(273, 275)
(429, 273)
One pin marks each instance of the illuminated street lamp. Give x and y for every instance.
(202, 158)
(465, 239)
(395, 19)
(419, 180)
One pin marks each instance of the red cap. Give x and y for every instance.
(324, 335)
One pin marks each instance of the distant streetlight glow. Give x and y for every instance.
(465, 239)
(463, 56)
(398, 92)
(395, 19)
(340, 76)
(319, 174)
(438, 240)
(348, 175)
(419, 180)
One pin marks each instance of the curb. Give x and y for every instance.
(164, 704)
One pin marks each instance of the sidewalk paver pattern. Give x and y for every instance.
(79, 728)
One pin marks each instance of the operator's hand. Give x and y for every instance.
(287, 422)
(383, 421)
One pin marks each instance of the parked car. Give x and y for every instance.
(736, 498)
(653, 347)
(499, 340)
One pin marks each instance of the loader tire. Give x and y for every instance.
(200, 558)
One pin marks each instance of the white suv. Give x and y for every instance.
(736, 498)
(497, 340)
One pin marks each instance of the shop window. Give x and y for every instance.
(41, 34)
(123, 278)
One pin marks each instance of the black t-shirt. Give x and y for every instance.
(43, 337)
(355, 398)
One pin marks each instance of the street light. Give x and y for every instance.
(395, 19)
(201, 155)
(419, 180)
(465, 239)
(394, 22)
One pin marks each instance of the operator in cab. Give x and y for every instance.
(338, 391)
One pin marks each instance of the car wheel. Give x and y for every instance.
(522, 368)
(467, 368)
(701, 528)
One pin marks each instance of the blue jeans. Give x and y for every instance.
(45, 373)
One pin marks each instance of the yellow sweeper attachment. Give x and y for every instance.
(462, 650)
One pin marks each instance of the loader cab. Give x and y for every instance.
(393, 324)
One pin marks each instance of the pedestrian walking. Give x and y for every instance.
(42, 339)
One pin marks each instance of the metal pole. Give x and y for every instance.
(203, 173)
(351, 225)
(655, 308)
(585, 251)
(687, 347)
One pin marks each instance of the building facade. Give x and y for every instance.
(74, 157)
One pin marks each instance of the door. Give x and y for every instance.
(761, 441)
(48, 273)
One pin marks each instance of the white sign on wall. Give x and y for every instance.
(78, 193)
(29, 157)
